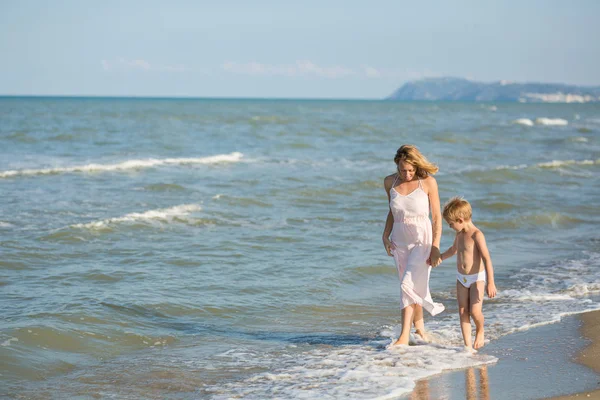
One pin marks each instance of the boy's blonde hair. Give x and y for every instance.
(456, 208)
(410, 154)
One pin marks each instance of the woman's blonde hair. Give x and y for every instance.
(410, 154)
(457, 208)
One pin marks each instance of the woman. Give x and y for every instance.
(415, 243)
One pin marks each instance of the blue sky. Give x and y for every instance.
(285, 49)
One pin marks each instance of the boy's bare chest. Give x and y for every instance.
(465, 244)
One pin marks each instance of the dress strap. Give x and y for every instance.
(395, 180)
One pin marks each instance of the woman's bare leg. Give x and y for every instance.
(408, 314)
(419, 323)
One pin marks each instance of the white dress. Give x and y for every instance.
(412, 236)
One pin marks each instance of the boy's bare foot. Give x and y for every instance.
(424, 335)
(478, 340)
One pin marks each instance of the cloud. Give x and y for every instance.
(309, 68)
(299, 68)
(397, 73)
(124, 64)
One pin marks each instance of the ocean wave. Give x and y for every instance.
(527, 295)
(551, 121)
(126, 165)
(77, 340)
(541, 121)
(579, 139)
(545, 293)
(553, 219)
(523, 121)
(563, 163)
(276, 119)
(164, 187)
(550, 164)
(161, 215)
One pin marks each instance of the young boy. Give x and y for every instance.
(474, 268)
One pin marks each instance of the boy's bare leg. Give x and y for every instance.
(419, 324)
(471, 384)
(462, 296)
(407, 320)
(476, 296)
(484, 387)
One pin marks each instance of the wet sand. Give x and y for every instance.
(557, 361)
(590, 355)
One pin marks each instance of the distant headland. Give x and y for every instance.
(459, 89)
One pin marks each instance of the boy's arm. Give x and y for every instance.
(487, 261)
(450, 252)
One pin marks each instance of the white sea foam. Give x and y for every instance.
(6, 343)
(527, 295)
(582, 289)
(541, 121)
(594, 121)
(163, 215)
(126, 165)
(550, 164)
(551, 121)
(516, 167)
(562, 163)
(545, 294)
(367, 371)
(5, 224)
(579, 139)
(523, 121)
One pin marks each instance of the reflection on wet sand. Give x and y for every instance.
(421, 391)
(474, 389)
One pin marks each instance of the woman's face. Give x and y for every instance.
(407, 171)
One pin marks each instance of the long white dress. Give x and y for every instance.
(412, 236)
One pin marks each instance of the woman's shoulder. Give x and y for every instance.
(429, 179)
(388, 181)
(390, 178)
(429, 182)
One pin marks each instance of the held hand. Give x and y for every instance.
(389, 246)
(491, 290)
(435, 257)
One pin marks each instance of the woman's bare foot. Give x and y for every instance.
(424, 335)
(478, 340)
(469, 349)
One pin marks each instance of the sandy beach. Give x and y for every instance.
(590, 355)
(556, 361)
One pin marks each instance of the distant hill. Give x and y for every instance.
(458, 89)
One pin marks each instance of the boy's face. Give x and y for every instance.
(458, 225)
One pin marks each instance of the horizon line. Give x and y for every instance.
(171, 97)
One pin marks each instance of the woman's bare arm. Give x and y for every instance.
(389, 221)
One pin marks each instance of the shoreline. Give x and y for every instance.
(589, 355)
(558, 361)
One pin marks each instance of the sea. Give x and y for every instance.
(231, 248)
